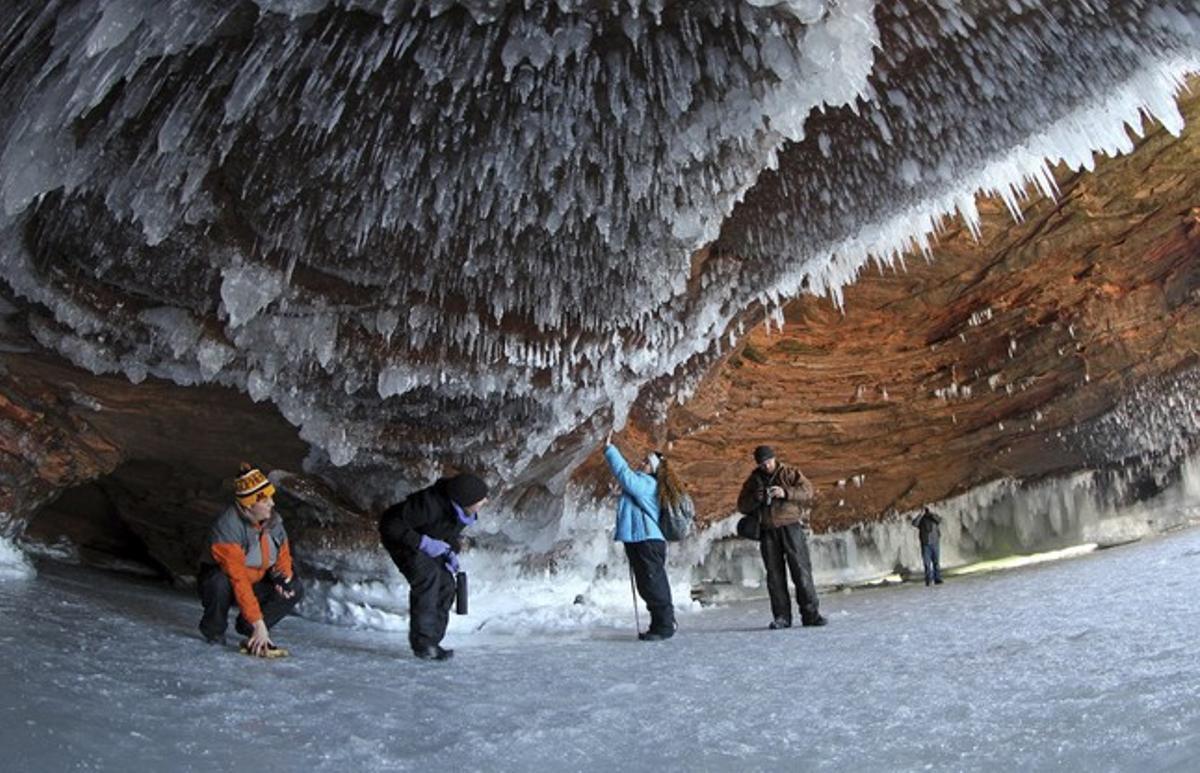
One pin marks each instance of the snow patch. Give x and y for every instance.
(14, 564)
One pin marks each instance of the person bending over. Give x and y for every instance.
(421, 534)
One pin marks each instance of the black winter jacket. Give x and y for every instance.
(426, 512)
(927, 525)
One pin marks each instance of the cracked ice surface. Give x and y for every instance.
(371, 212)
(1085, 664)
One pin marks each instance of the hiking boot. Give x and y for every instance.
(937, 582)
(779, 624)
(815, 621)
(656, 635)
(435, 652)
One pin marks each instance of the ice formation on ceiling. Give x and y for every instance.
(462, 230)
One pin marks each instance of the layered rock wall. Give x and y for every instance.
(987, 358)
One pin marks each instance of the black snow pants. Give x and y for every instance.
(216, 593)
(786, 548)
(430, 595)
(649, 562)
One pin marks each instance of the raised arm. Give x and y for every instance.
(631, 482)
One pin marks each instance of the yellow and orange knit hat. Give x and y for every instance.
(251, 485)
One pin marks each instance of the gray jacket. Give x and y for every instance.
(231, 528)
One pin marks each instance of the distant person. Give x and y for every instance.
(248, 563)
(780, 496)
(421, 534)
(637, 528)
(927, 523)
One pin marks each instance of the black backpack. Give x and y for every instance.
(748, 527)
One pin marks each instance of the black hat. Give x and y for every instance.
(466, 489)
(763, 453)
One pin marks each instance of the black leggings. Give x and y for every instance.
(649, 562)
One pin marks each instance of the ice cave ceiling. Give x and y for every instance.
(429, 233)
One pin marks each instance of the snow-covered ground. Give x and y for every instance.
(1084, 664)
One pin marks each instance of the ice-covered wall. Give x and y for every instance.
(1140, 476)
(441, 232)
(1000, 520)
(581, 581)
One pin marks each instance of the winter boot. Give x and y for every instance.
(779, 623)
(659, 634)
(436, 652)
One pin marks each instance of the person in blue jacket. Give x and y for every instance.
(637, 527)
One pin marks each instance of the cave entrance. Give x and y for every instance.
(146, 517)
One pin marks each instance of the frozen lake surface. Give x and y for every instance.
(1088, 663)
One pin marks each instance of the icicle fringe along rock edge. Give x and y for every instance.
(80, 333)
(1102, 127)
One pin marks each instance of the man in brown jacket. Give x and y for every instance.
(779, 495)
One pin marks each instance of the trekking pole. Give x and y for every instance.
(637, 623)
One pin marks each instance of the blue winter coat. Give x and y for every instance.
(634, 523)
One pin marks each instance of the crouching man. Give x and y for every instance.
(421, 534)
(248, 563)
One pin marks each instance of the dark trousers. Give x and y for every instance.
(430, 595)
(649, 563)
(931, 557)
(786, 548)
(216, 593)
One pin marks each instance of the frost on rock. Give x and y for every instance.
(466, 229)
(14, 564)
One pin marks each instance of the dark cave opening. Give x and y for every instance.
(147, 517)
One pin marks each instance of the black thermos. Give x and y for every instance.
(460, 593)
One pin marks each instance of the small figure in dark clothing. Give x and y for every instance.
(780, 496)
(421, 534)
(927, 523)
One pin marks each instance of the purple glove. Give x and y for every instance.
(433, 547)
(452, 562)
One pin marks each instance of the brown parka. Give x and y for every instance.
(792, 508)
